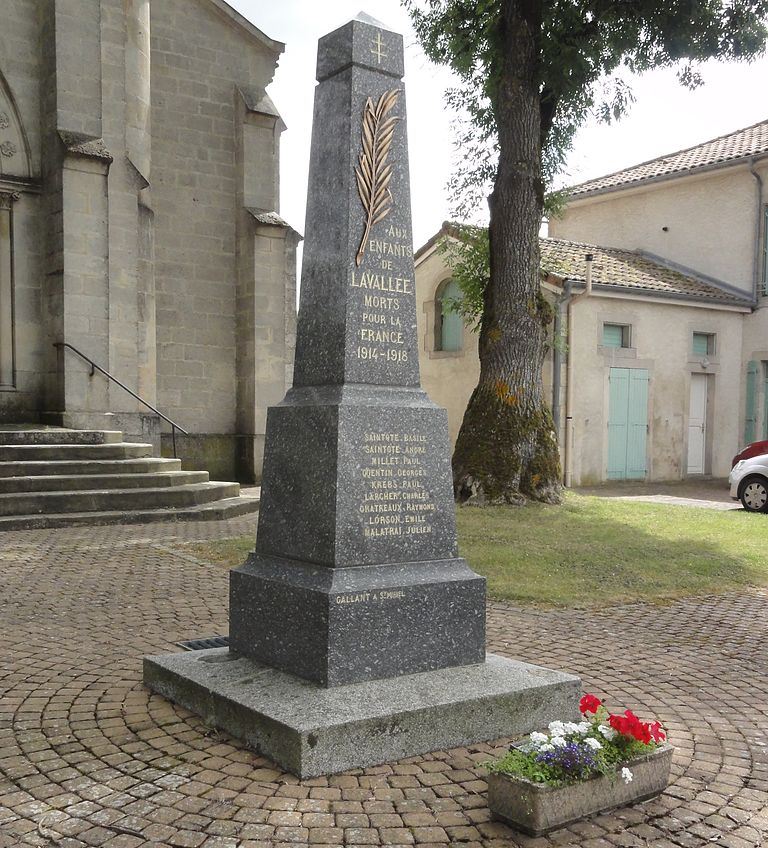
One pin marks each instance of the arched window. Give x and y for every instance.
(449, 328)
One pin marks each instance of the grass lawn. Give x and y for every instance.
(594, 552)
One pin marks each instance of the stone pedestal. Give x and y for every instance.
(312, 730)
(355, 574)
(357, 632)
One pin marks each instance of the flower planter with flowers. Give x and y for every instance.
(579, 768)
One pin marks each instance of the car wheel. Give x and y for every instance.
(754, 494)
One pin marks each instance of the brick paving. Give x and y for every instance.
(690, 490)
(89, 758)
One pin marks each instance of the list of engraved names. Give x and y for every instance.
(395, 499)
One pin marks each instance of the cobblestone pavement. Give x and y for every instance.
(675, 501)
(710, 490)
(89, 758)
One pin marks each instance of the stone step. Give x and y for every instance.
(144, 465)
(95, 482)
(31, 503)
(213, 511)
(119, 450)
(59, 436)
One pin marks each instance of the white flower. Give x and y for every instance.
(626, 774)
(593, 743)
(538, 739)
(607, 732)
(557, 728)
(583, 727)
(559, 742)
(547, 747)
(570, 727)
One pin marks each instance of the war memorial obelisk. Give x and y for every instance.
(357, 634)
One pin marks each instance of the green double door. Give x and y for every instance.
(753, 392)
(627, 423)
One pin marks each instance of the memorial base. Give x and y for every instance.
(312, 730)
(336, 626)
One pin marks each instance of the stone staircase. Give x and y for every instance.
(55, 477)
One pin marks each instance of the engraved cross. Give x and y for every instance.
(376, 49)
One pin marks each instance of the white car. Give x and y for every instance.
(749, 483)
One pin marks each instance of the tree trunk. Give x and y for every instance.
(507, 448)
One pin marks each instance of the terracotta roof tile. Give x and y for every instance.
(630, 270)
(727, 149)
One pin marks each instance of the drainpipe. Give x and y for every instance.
(557, 358)
(568, 452)
(758, 227)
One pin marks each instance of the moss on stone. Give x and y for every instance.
(505, 453)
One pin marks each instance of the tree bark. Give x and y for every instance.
(506, 450)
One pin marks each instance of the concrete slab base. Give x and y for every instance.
(311, 730)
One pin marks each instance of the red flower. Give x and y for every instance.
(620, 723)
(630, 725)
(589, 704)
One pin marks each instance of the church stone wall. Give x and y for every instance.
(138, 223)
(21, 252)
(196, 67)
(199, 64)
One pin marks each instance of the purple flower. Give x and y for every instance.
(574, 761)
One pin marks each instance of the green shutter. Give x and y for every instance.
(765, 400)
(627, 423)
(618, 419)
(700, 344)
(451, 324)
(613, 335)
(750, 415)
(765, 252)
(637, 430)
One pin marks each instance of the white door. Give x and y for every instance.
(697, 424)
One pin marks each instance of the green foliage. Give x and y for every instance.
(595, 552)
(526, 764)
(591, 552)
(522, 764)
(585, 749)
(584, 52)
(467, 255)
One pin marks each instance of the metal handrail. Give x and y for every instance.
(94, 366)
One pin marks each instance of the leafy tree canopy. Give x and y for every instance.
(583, 48)
(529, 72)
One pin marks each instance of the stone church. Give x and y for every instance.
(139, 224)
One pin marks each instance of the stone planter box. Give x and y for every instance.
(537, 809)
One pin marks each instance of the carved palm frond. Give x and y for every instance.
(373, 174)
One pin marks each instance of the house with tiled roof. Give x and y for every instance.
(643, 337)
(702, 211)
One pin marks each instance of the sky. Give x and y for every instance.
(664, 118)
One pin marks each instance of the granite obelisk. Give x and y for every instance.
(355, 574)
(357, 633)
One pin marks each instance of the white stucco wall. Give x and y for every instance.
(710, 221)
(662, 336)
